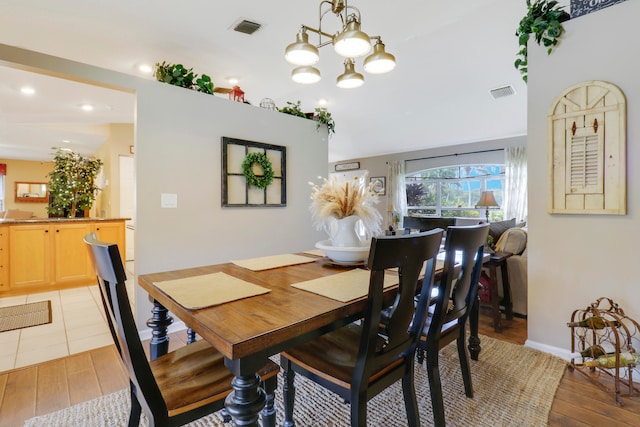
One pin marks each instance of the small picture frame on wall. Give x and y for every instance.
(347, 166)
(378, 185)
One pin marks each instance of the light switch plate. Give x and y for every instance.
(168, 200)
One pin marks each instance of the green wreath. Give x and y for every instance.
(267, 171)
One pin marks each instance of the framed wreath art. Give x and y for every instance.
(253, 174)
(257, 158)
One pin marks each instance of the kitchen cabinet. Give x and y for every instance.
(50, 254)
(4, 257)
(30, 256)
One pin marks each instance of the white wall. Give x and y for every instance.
(574, 259)
(178, 150)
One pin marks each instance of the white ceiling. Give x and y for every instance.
(449, 55)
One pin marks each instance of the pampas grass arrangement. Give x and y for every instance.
(339, 199)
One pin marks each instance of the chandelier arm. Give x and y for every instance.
(321, 33)
(321, 15)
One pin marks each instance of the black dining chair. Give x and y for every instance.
(357, 362)
(449, 310)
(180, 386)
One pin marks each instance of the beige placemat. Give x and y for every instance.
(344, 287)
(317, 252)
(274, 261)
(209, 289)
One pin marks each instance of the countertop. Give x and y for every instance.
(58, 220)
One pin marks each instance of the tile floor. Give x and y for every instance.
(78, 324)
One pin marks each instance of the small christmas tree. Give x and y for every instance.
(72, 183)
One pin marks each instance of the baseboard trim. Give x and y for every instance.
(556, 351)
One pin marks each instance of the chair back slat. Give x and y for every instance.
(407, 253)
(457, 287)
(111, 280)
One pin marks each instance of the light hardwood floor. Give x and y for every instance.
(50, 386)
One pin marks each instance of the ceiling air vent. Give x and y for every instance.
(247, 27)
(501, 92)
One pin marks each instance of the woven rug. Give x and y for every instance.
(514, 386)
(25, 315)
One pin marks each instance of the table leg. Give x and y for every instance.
(495, 299)
(247, 399)
(191, 336)
(506, 290)
(474, 320)
(159, 323)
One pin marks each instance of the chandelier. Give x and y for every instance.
(351, 42)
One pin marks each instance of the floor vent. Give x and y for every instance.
(247, 27)
(501, 92)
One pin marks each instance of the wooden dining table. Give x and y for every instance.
(249, 330)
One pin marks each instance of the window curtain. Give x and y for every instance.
(397, 197)
(515, 194)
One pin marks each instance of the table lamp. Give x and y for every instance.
(487, 200)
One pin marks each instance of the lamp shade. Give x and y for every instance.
(305, 75)
(379, 61)
(487, 200)
(302, 52)
(352, 42)
(350, 78)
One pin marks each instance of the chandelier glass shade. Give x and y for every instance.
(349, 42)
(350, 78)
(352, 42)
(305, 74)
(302, 52)
(379, 62)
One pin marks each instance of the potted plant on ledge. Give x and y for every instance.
(544, 20)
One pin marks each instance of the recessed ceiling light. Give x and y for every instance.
(232, 80)
(322, 102)
(66, 149)
(87, 107)
(27, 90)
(145, 68)
(66, 141)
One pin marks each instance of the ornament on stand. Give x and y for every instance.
(268, 104)
(236, 94)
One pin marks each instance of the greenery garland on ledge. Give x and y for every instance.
(267, 170)
(544, 20)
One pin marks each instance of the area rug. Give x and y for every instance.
(25, 315)
(514, 386)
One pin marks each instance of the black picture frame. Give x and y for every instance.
(236, 192)
(378, 185)
(584, 7)
(347, 166)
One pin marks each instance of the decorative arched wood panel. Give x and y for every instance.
(587, 149)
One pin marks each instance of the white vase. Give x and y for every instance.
(343, 232)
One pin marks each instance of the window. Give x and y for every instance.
(453, 191)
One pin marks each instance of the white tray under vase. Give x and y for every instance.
(345, 254)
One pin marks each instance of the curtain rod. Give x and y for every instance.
(455, 154)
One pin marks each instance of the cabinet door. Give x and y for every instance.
(30, 257)
(4, 258)
(112, 232)
(72, 262)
